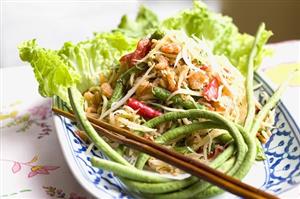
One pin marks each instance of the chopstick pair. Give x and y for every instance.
(180, 161)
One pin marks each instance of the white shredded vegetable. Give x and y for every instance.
(178, 58)
(211, 135)
(155, 50)
(104, 105)
(186, 121)
(187, 59)
(209, 142)
(257, 86)
(205, 151)
(89, 149)
(135, 126)
(131, 79)
(182, 76)
(184, 91)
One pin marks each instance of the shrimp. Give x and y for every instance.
(181, 71)
(162, 62)
(106, 89)
(196, 80)
(169, 76)
(144, 88)
(171, 48)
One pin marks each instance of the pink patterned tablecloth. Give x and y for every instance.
(31, 162)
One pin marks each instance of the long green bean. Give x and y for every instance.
(192, 114)
(226, 138)
(244, 167)
(202, 185)
(128, 172)
(158, 34)
(183, 131)
(196, 188)
(156, 188)
(249, 79)
(164, 94)
(272, 101)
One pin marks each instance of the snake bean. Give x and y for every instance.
(192, 114)
(249, 79)
(128, 172)
(164, 94)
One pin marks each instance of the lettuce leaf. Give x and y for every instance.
(222, 33)
(97, 56)
(146, 22)
(53, 74)
(75, 65)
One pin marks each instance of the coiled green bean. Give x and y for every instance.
(193, 114)
(159, 188)
(128, 172)
(195, 188)
(185, 130)
(244, 167)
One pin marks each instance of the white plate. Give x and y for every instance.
(277, 174)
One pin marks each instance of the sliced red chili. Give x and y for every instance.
(204, 67)
(142, 49)
(143, 110)
(210, 91)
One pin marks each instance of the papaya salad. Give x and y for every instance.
(174, 82)
(172, 73)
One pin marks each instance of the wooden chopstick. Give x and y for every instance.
(180, 161)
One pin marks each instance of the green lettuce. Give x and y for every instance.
(53, 74)
(221, 31)
(97, 56)
(75, 65)
(146, 22)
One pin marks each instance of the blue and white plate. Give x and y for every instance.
(279, 173)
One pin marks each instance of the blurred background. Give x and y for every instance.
(280, 16)
(54, 22)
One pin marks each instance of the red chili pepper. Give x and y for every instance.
(204, 67)
(142, 49)
(210, 91)
(143, 110)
